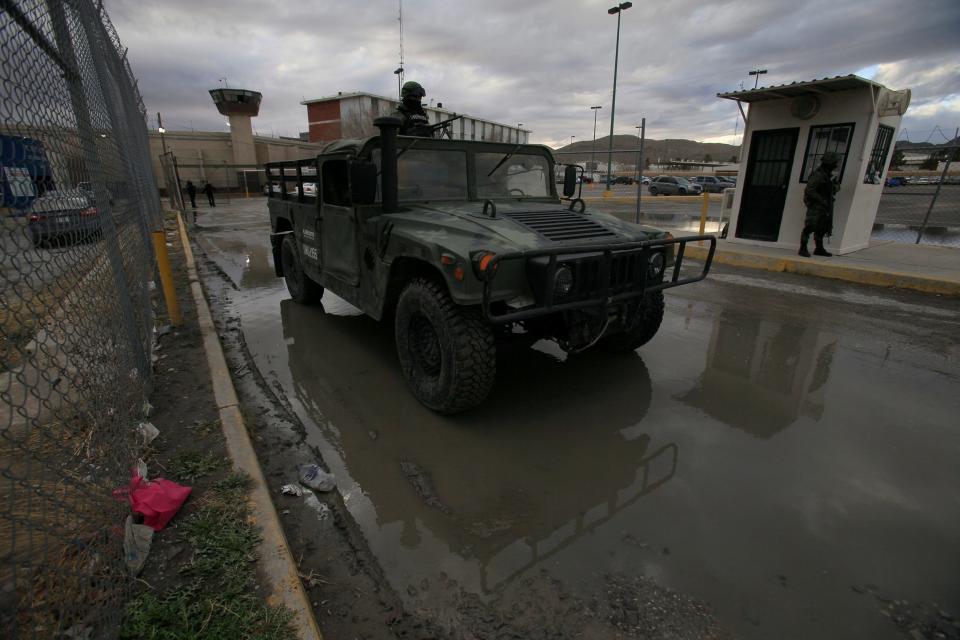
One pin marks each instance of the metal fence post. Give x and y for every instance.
(85, 132)
(936, 194)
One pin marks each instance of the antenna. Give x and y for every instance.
(400, 3)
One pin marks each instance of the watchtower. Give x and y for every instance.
(240, 105)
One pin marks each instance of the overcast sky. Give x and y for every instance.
(539, 62)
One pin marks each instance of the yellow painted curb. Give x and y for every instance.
(275, 560)
(649, 198)
(847, 273)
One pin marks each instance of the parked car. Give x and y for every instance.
(673, 186)
(68, 216)
(894, 181)
(712, 184)
(623, 180)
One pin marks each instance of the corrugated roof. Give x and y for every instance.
(806, 87)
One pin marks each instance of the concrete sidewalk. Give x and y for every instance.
(903, 266)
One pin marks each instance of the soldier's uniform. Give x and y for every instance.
(818, 197)
(414, 120)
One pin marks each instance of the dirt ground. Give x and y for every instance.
(190, 450)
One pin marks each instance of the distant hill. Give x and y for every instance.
(669, 149)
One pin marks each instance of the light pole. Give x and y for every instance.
(757, 73)
(571, 140)
(617, 10)
(593, 152)
(161, 131)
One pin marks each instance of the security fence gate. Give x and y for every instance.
(78, 203)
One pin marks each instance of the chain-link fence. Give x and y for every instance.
(76, 327)
(229, 181)
(921, 204)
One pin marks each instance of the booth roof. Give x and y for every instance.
(794, 89)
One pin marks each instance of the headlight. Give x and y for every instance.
(656, 264)
(562, 282)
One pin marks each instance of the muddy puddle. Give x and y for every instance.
(791, 467)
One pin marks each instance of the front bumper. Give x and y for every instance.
(617, 272)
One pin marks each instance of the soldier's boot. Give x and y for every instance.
(820, 251)
(804, 238)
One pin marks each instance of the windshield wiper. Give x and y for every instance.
(504, 159)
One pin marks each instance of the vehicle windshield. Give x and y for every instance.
(682, 181)
(431, 174)
(519, 175)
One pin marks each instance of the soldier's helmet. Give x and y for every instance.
(412, 89)
(830, 159)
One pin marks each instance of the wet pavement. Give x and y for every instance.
(786, 450)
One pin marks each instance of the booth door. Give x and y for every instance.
(765, 189)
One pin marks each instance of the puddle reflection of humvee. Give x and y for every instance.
(459, 240)
(519, 479)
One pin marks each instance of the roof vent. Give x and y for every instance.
(804, 107)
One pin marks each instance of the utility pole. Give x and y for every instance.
(593, 152)
(643, 136)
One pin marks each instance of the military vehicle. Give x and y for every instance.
(461, 243)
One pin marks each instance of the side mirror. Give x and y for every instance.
(569, 181)
(363, 182)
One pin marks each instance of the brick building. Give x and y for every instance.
(350, 115)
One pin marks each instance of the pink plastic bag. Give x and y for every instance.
(157, 500)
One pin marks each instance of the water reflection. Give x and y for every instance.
(557, 451)
(762, 374)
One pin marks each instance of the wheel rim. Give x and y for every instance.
(424, 345)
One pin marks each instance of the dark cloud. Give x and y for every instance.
(539, 62)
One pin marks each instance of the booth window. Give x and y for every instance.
(830, 137)
(878, 157)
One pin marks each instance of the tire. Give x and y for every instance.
(447, 352)
(654, 191)
(302, 289)
(649, 317)
(683, 192)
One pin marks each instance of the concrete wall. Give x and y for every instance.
(856, 203)
(214, 151)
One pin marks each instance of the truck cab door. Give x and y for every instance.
(341, 257)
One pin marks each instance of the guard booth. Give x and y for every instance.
(788, 129)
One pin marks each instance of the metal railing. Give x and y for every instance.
(76, 328)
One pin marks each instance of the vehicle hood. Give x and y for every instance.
(517, 226)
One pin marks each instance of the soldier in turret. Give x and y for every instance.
(818, 197)
(410, 112)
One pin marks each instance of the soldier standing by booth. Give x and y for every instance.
(819, 197)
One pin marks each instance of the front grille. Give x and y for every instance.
(561, 225)
(625, 274)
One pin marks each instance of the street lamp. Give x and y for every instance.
(593, 152)
(617, 10)
(399, 73)
(571, 139)
(757, 73)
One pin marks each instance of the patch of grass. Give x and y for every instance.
(191, 465)
(217, 599)
(204, 427)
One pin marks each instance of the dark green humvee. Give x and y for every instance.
(462, 242)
